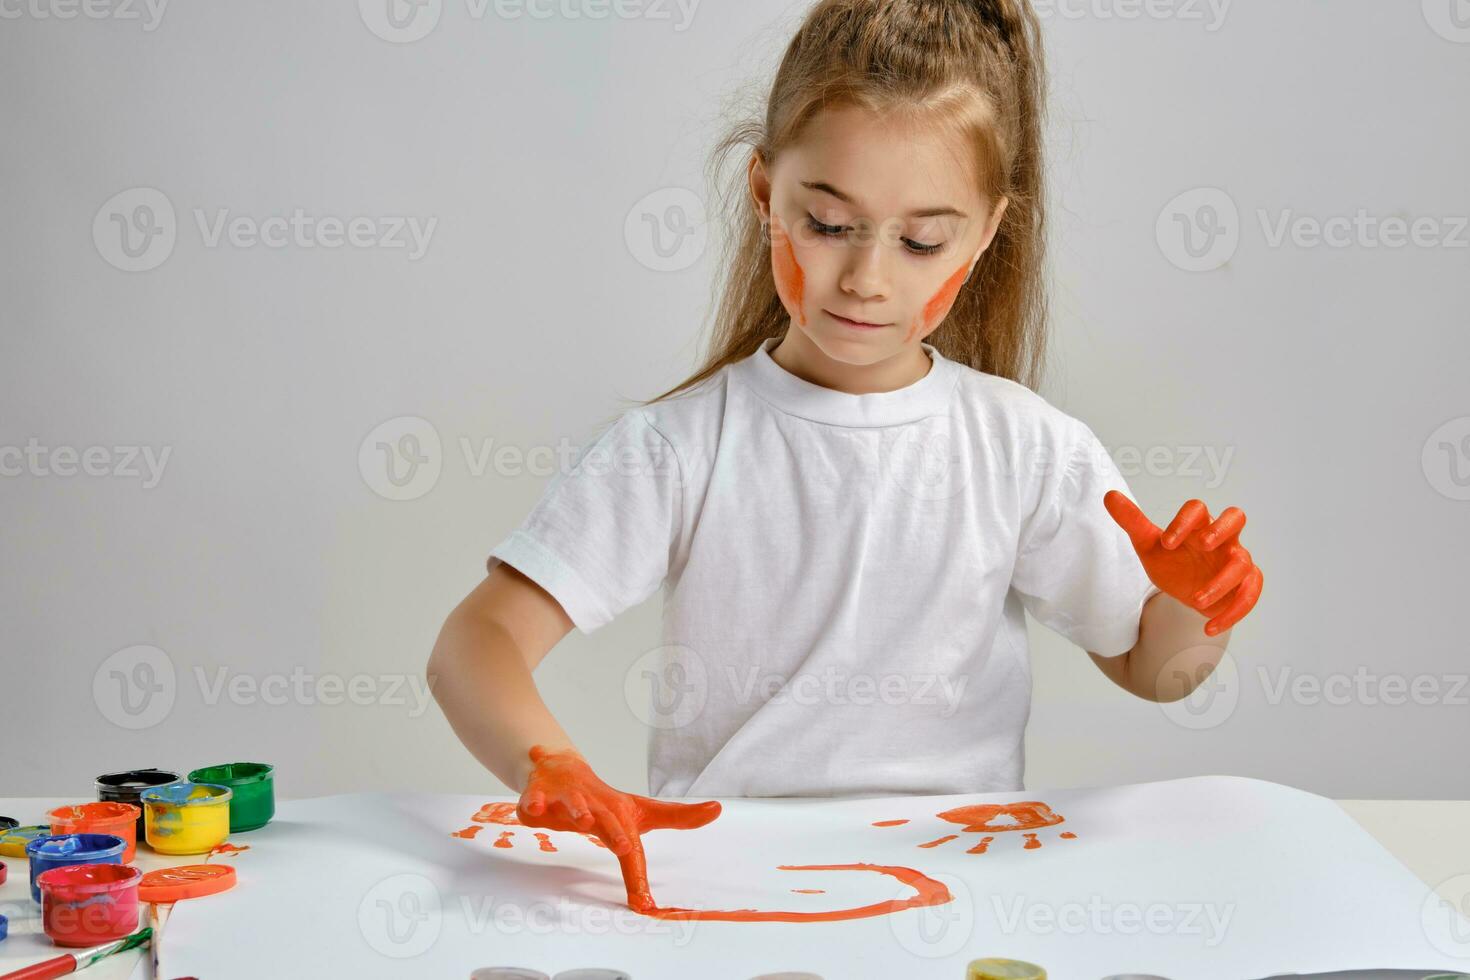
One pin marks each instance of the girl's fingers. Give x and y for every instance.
(1191, 516)
(1141, 531)
(611, 830)
(535, 802)
(578, 810)
(1226, 526)
(1245, 599)
(676, 815)
(1225, 579)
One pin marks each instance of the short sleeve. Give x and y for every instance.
(1076, 571)
(599, 538)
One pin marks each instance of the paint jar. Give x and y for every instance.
(124, 787)
(253, 784)
(99, 818)
(13, 841)
(186, 818)
(87, 904)
(58, 850)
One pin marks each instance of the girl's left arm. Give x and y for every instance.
(1209, 583)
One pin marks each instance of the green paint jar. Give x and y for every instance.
(254, 800)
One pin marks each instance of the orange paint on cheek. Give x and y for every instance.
(790, 279)
(939, 303)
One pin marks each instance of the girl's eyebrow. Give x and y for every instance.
(826, 188)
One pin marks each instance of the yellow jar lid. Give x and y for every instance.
(1001, 969)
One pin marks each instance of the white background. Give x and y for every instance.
(1329, 382)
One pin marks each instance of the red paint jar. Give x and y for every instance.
(87, 904)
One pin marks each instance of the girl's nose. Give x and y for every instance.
(865, 275)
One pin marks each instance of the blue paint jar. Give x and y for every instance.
(60, 850)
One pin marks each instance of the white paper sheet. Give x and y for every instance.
(1205, 878)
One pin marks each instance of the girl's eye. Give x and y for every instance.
(832, 231)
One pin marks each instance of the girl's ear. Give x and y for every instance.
(760, 187)
(991, 227)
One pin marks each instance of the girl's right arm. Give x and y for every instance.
(480, 672)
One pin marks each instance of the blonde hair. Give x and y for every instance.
(974, 67)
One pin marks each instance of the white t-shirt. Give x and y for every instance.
(844, 576)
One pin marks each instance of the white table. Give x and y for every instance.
(1429, 836)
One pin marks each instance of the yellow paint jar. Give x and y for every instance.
(186, 818)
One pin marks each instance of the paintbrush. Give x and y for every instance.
(60, 966)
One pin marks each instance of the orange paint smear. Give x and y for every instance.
(468, 833)
(505, 814)
(504, 839)
(497, 813)
(942, 840)
(939, 303)
(990, 817)
(790, 279)
(927, 891)
(228, 848)
(889, 823)
(1068, 835)
(810, 891)
(981, 847)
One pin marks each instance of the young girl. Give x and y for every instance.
(853, 503)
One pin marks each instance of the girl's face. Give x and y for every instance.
(872, 222)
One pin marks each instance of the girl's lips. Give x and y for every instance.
(854, 323)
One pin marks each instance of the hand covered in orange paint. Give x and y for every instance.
(563, 793)
(1197, 560)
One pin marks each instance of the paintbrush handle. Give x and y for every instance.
(57, 966)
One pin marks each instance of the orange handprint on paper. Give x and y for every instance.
(1028, 817)
(1198, 560)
